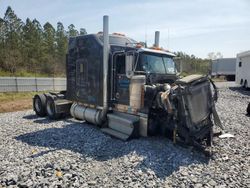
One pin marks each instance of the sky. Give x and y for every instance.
(192, 26)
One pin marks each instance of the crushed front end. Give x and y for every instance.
(194, 105)
(184, 111)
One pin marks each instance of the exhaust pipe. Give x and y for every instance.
(157, 39)
(105, 65)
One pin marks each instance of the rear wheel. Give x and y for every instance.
(248, 109)
(241, 82)
(39, 105)
(51, 109)
(245, 84)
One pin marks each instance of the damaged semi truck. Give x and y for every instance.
(130, 91)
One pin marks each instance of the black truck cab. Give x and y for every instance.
(158, 67)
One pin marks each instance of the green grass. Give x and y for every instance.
(11, 96)
(28, 74)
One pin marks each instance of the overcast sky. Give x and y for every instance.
(192, 26)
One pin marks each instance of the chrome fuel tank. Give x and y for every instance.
(90, 115)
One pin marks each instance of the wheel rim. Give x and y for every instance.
(38, 104)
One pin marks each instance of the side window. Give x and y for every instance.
(240, 64)
(138, 65)
(120, 64)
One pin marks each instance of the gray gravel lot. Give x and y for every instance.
(37, 152)
(226, 84)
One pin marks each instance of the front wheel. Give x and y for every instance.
(210, 136)
(51, 109)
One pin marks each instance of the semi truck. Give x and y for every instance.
(129, 91)
(243, 69)
(224, 67)
(243, 72)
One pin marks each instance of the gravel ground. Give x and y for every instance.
(37, 152)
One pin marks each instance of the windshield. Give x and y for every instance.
(155, 63)
(169, 65)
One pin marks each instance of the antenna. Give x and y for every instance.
(146, 36)
(168, 40)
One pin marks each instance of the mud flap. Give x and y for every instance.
(217, 121)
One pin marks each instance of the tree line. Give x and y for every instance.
(190, 64)
(30, 48)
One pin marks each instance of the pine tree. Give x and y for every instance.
(37, 44)
(32, 36)
(61, 45)
(61, 40)
(13, 56)
(49, 48)
(72, 32)
(49, 35)
(30, 47)
(27, 38)
(83, 31)
(2, 42)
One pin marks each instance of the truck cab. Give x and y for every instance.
(157, 66)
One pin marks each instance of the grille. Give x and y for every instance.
(198, 102)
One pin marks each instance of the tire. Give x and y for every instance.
(241, 82)
(153, 128)
(248, 109)
(39, 105)
(245, 84)
(210, 137)
(51, 109)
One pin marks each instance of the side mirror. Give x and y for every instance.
(129, 59)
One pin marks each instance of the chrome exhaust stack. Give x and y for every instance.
(105, 66)
(157, 39)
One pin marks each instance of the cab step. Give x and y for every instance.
(123, 126)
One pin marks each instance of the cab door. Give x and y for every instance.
(121, 81)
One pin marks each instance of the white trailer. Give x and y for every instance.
(224, 67)
(243, 69)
